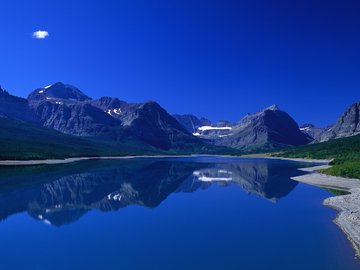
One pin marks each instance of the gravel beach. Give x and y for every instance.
(348, 206)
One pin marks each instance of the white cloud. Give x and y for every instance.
(40, 34)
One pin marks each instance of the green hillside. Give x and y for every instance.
(345, 152)
(23, 140)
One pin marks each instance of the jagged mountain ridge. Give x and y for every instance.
(66, 109)
(267, 129)
(190, 122)
(313, 131)
(59, 92)
(163, 133)
(348, 124)
(15, 107)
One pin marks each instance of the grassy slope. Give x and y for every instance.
(21, 140)
(345, 152)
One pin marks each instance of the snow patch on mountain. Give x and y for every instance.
(114, 111)
(305, 128)
(204, 128)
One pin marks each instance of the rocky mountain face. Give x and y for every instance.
(202, 127)
(113, 106)
(15, 107)
(312, 131)
(66, 109)
(147, 121)
(268, 129)
(58, 92)
(152, 124)
(190, 122)
(79, 119)
(348, 124)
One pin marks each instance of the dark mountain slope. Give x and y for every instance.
(58, 92)
(64, 108)
(313, 131)
(15, 107)
(190, 122)
(152, 124)
(347, 125)
(267, 129)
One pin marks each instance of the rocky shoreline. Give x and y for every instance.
(348, 218)
(70, 160)
(348, 206)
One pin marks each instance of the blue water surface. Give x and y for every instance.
(178, 213)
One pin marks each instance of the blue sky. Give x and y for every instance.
(218, 59)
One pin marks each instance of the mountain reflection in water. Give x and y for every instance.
(61, 194)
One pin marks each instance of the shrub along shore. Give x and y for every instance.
(344, 153)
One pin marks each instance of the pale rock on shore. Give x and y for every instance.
(349, 215)
(348, 206)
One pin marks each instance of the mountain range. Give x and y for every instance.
(271, 128)
(268, 129)
(64, 111)
(347, 125)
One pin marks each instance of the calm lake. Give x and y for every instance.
(178, 213)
